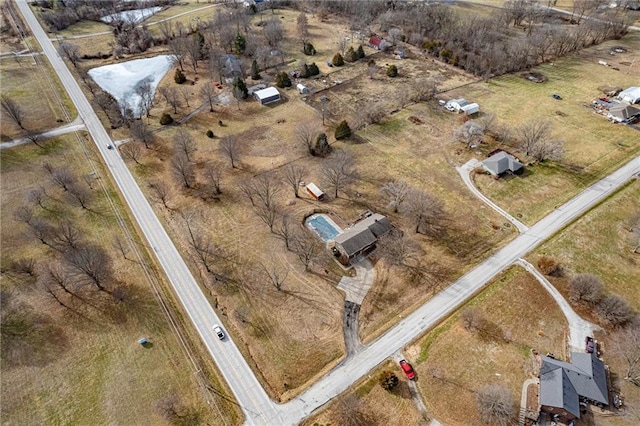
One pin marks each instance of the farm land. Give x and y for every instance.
(299, 314)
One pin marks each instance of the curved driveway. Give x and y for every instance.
(255, 403)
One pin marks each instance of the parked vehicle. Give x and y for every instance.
(556, 96)
(407, 369)
(589, 345)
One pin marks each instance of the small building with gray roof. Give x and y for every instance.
(501, 163)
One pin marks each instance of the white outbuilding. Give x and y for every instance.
(302, 89)
(267, 96)
(631, 95)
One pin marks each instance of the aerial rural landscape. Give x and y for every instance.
(320, 212)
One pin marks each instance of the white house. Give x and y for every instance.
(631, 95)
(267, 96)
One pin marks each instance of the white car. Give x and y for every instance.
(218, 330)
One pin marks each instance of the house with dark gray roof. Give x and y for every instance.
(231, 67)
(563, 385)
(501, 163)
(360, 237)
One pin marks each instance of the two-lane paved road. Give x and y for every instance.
(254, 401)
(257, 407)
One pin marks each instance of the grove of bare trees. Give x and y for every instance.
(496, 405)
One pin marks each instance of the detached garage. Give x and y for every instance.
(267, 96)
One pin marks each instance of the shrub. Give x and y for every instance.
(179, 77)
(313, 69)
(343, 130)
(166, 119)
(586, 287)
(472, 318)
(360, 52)
(371, 63)
(309, 49)
(548, 265)
(615, 310)
(338, 60)
(351, 55)
(210, 134)
(392, 71)
(388, 380)
(283, 80)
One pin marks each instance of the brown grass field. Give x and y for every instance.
(90, 369)
(453, 363)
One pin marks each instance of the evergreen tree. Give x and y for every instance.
(305, 72)
(283, 80)
(392, 71)
(240, 88)
(309, 49)
(313, 69)
(360, 52)
(255, 72)
(343, 130)
(179, 77)
(338, 60)
(240, 44)
(351, 55)
(321, 147)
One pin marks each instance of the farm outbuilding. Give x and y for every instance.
(379, 43)
(302, 89)
(631, 95)
(316, 192)
(470, 109)
(267, 96)
(501, 163)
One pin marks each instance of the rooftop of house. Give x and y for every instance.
(562, 383)
(502, 162)
(363, 233)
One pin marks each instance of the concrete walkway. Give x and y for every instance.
(356, 288)
(74, 126)
(578, 328)
(465, 173)
(523, 399)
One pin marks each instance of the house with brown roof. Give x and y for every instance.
(360, 238)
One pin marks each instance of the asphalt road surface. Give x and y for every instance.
(256, 405)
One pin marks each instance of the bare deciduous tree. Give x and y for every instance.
(208, 93)
(276, 276)
(141, 132)
(634, 232)
(60, 176)
(121, 245)
(213, 176)
(131, 151)
(339, 171)
(294, 176)
(67, 236)
(305, 134)
(371, 113)
(351, 412)
(145, 91)
(12, 110)
(302, 27)
(615, 310)
(535, 140)
(184, 144)
(470, 133)
(178, 48)
(307, 247)
(80, 194)
(186, 95)
(284, 230)
(268, 214)
(230, 148)
(161, 191)
(71, 52)
(273, 32)
(586, 287)
(496, 405)
(183, 170)
(93, 262)
(34, 137)
(42, 230)
(472, 318)
(427, 213)
(627, 343)
(37, 196)
(396, 192)
(171, 96)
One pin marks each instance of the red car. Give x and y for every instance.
(408, 370)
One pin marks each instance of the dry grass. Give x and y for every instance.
(454, 363)
(383, 407)
(94, 372)
(37, 95)
(598, 243)
(594, 147)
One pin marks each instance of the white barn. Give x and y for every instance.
(267, 96)
(631, 95)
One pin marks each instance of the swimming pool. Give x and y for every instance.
(323, 226)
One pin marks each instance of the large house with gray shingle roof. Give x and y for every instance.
(563, 385)
(501, 163)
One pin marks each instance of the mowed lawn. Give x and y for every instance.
(453, 363)
(600, 243)
(89, 368)
(593, 146)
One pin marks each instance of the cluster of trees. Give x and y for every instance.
(14, 113)
(589, 289)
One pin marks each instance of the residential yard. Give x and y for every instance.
(598, 243)
(81, 364)
(453, 363)
(594, 147)
(370, 403)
